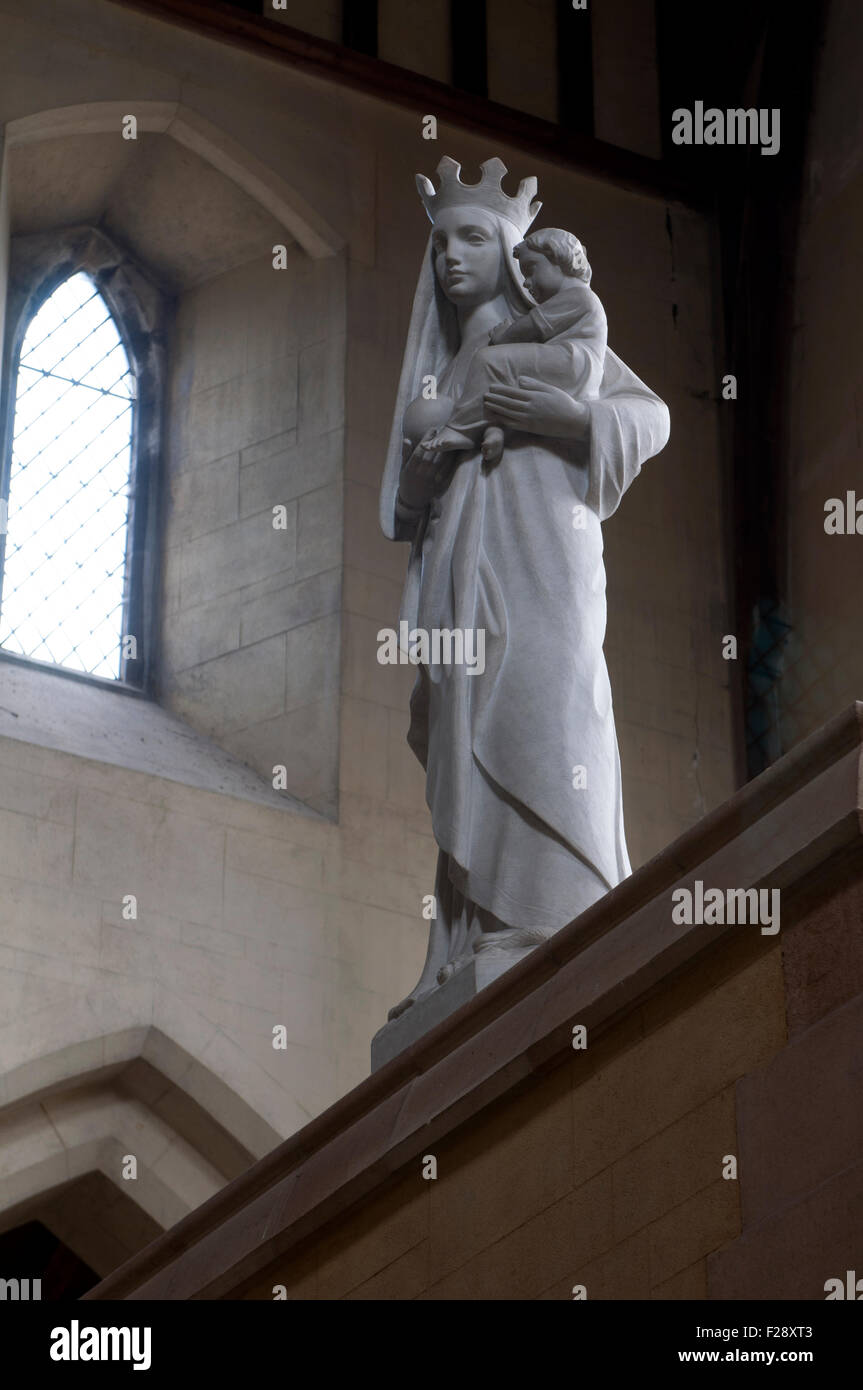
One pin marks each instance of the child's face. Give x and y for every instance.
(541, 276)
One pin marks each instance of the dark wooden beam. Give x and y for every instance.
(336, 63)
(468, 28)
(574, 68)
(360, 26)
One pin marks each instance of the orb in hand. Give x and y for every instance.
(422, 416)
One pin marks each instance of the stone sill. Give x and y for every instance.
(55, 710)
(778, 831)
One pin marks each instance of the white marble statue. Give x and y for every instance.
(533, 432)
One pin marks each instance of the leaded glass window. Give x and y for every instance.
(64, 594)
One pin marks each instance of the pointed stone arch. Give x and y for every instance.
(212, 144)
(190, 1133)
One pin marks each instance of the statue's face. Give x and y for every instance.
(542, 278)
(467, 255)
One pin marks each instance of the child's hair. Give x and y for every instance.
(559, 247)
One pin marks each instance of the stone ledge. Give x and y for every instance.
(68, 715)
(778, 831)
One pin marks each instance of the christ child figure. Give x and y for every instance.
(561, 341)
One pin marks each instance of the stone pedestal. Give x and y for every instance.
(433, 1008)
(426, 1013)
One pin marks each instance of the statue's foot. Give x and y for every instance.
(452, 967)
(398, 1009)
(446, 441)
(492, 445)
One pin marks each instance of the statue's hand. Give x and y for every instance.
(537, 408)
(424, 474)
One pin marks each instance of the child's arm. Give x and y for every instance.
(580, 317)
(520, 330)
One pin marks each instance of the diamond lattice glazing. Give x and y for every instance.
(64, 574)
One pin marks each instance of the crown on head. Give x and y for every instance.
(488, 193)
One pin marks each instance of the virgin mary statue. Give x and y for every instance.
(522, 767)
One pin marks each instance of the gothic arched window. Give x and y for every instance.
(64, 593)
(78, 486)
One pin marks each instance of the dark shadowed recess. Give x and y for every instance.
(32, 1252)
(764, 55)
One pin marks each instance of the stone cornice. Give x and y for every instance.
(776, 832)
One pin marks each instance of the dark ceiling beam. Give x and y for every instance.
(331, 61)
(468, 26)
